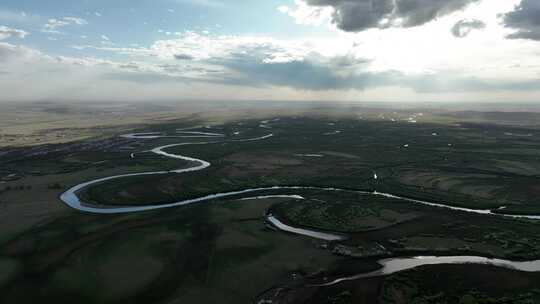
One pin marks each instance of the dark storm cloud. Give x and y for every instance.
(525, 19)
(358, 15)
(464, 27)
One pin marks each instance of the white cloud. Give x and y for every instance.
(7, 32)
(283, 9)
(306, 14)
(9, 52)
(53, 25)
(340, 63)
(89, 78)
(205, 46)
(241, 68)
(75, 20)
(105, 40)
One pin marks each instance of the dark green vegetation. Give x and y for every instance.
(364, 213)
(221, 252)
(424, 286)
(443, 284)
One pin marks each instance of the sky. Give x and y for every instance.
(328, 50)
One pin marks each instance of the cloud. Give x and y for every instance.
(248, 61)
(75, 20)
(359, 15)
(9, 52)
(318, 73)
(7, 32)
(249, 66)
(105, 40)
(46, 77)
(525, 18)
(464, 27)
(54, 24)
(315, 66)
(306, 14)
(313, 73)
(200, 47)
(262, 62)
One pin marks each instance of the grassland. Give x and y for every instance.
(185, 255)
(222, 252)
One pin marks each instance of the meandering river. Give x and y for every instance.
(71, 199)
(389, 266)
